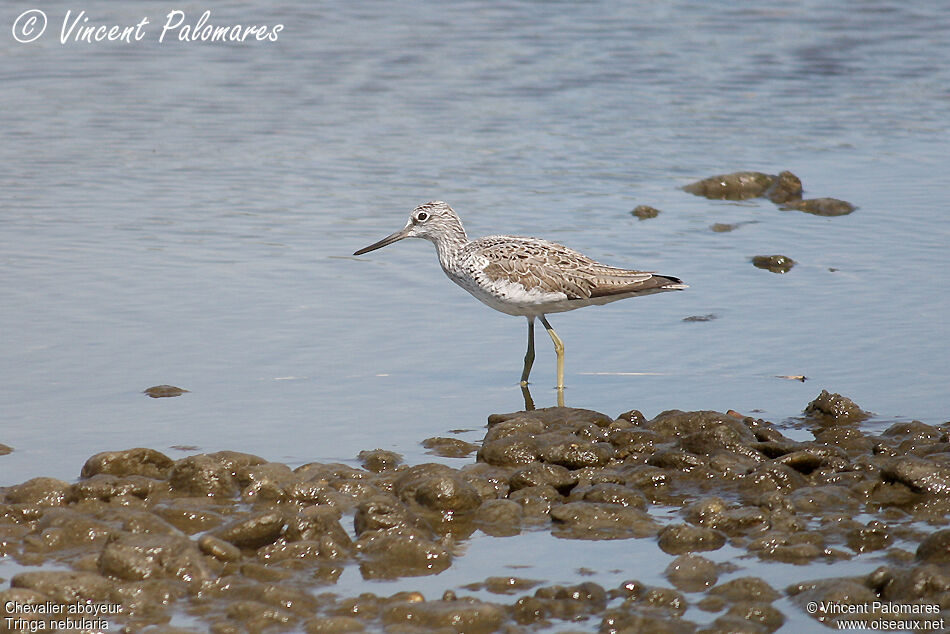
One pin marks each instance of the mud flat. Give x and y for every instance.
(229, 542)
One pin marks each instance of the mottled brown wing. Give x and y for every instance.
(621, 281)
(552, 267)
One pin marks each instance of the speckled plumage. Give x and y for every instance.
(529, 277)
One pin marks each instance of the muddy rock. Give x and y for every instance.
(645, 212)
(315, 522)
(500, 518)
(734, 186)
(401, 552)
(508, 451)
(571, 603)
(436, 487)
(108, 487)
(935, 548)
(131, 462)
(749, 616)
(536, 502)
(873, 536)
(714, 512)
(334, 625)
(673, 424)
(189, 515)
(790, 547)
(555, 417)
(490, 482)
(560, 436)
(462, 615)
(164, 391)
(817, 500)
(40, 492)
(850, 440)
(218, 548)
(667, 600)
(508, 585)
(611, 493)
(137, 557)
(746, 589)
(202, 475)
(919, 475)
(253, 532)
(834, 409)
(537, 474)
(786, 187)
(821, 206)
(593, 520)
(837, 592)
(269, 481)
(63, 528)
(773, 263)
(65, 586)
(572, 453)
(379, 460)
(677, 539)
(692, 573)
(380, 513)
(449, 447)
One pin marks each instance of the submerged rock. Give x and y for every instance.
(821, 206)
(734, 186)
(784, 190)
(774, 263)
(645, 212)
(164, 391)
(785, 187)
(449, 447)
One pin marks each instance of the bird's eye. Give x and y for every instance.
(422, 217)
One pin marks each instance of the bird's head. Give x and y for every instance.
(432, 221)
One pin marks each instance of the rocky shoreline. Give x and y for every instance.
(239, 544)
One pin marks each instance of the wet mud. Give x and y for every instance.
(230, 542)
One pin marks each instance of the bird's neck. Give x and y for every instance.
(449, 242)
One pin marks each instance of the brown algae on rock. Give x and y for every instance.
(237, 543)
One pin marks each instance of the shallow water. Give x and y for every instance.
(183, 213)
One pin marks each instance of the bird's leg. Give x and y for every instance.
(528, 401)
(529, 355)
(559, 349)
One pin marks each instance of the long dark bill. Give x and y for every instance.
(399, 235)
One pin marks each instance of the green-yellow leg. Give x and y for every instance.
(529, 355)
(559, 349)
